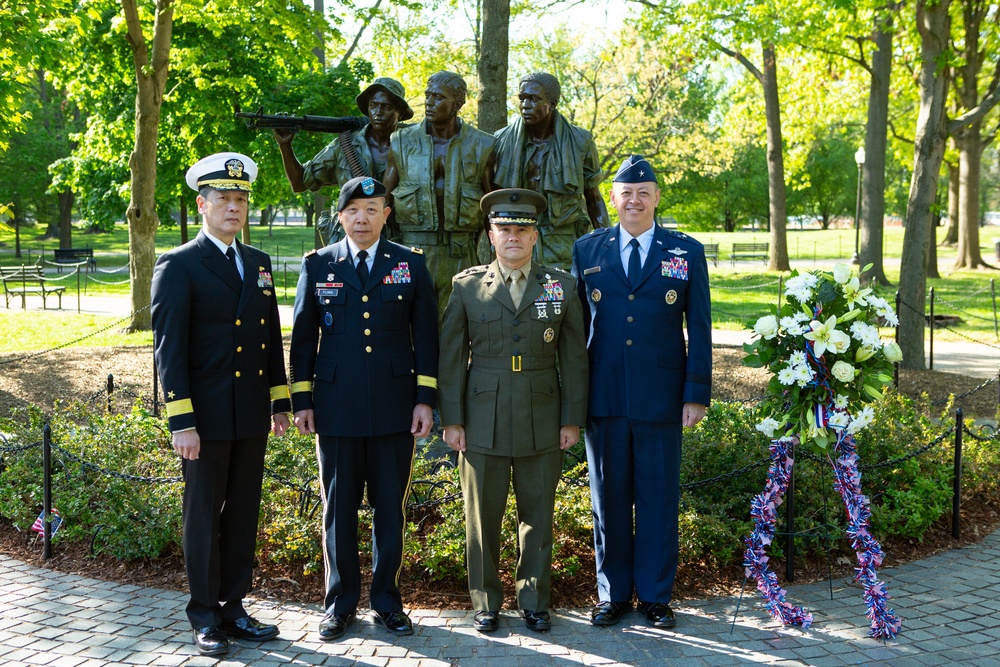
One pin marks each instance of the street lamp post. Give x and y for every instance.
(859, 158)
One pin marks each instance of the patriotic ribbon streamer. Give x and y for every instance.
(763, 510)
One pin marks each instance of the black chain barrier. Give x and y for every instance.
(4, 362)
(938, 299)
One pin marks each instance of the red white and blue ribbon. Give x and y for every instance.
(763, 510)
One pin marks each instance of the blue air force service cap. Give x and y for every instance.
(513, 206)
(635, 169)
(222, 171)
(363, 187)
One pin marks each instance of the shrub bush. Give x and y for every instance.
(723, 465)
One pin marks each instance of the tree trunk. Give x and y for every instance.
(873, 193)
(970, 147)
(183, 215)
(951, 237)
(931, 268)
(778, 260)
(151, 77)
(934, 27)
(492, 66)
(66, 219)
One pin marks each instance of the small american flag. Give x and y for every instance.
(39, 527)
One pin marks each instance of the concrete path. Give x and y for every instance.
(949, 603)
(981, 360)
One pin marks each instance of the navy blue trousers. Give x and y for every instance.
(634, 472)
(383, 464)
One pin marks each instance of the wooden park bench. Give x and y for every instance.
(74, 256)
(712, 253)
(24, 280)
(749, 251)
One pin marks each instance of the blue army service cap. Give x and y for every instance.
(362, 187)
(222, 171)
(513, 206)
(635, 169)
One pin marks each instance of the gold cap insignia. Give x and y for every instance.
(235, 168)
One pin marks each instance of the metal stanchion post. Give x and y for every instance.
(77, 290)
(931, 366)
(47, 491)
(956, 503)
(111, 390)
(790, 527)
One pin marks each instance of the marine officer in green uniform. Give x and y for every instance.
(506, 409)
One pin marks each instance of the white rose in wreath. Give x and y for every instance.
(766, 327)
(843, 371)
(892, 352)
(841, 273)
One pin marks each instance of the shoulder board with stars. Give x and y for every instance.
(473, 270)
(310, 253)
(418, 251)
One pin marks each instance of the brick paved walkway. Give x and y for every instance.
(950, 605)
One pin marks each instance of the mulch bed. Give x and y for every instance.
(75, 373)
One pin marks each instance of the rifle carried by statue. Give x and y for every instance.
(259, 120)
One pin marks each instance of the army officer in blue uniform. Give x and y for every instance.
(640, 285)
(364, 366)
(218, 351)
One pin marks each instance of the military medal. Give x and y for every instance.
(671, 296)
(549, 335)
(399, 275)
(595, 296)
(677, 267)
(264, 279)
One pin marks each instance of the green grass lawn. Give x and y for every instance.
(739, 294)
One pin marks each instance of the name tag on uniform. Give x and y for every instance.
(593, 269)
(328, 289)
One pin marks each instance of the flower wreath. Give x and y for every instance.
(828, 364)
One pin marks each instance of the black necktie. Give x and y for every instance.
(231, 255)
(634, 263)
(363, 266)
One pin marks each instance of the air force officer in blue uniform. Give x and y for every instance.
(640, 285)
(218, 350)
(364, 366)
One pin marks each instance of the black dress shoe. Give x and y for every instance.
(250, 629)
(333, 626)
(396, 622)
(658, 614)
(536, 620)
(210, 640)
(486, 621)
(609, 613)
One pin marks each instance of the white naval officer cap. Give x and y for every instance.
(222, 171)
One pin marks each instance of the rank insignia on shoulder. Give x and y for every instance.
(310, 253)
(419, 251)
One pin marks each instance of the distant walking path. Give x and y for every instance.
(949, 603)
(966, 357)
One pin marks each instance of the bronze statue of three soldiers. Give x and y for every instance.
(436, 171)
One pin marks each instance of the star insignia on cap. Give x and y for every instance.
(642, 173)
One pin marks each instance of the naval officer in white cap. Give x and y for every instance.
(218, 349)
